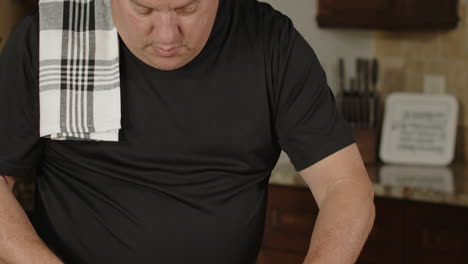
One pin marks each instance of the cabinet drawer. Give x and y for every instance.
(436, 234)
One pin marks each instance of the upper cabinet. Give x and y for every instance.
(388, 14)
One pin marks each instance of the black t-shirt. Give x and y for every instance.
(187, 181)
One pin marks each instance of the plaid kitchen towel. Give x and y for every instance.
(79, 78)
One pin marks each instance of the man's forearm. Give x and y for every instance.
(19, 242)
(343, 225)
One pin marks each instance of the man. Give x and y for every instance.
(211, 92)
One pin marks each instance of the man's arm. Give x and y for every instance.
(344, 195)
(19, 242)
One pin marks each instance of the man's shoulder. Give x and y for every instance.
(273, 27)
(269, 16)
(261, 20)
(271, 24)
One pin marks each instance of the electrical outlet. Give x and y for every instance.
(434, 84)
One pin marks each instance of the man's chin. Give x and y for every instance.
(167, 64)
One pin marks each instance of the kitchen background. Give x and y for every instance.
(413, 225)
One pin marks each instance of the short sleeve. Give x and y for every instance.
(308, 124)
(20, 144)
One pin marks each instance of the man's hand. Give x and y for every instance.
(10, 181)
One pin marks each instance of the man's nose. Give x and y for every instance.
(166, 28)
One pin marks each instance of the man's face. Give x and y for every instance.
(165, 34)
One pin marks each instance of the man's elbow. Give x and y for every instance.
(369, 191)
(363, 195)
(362, 189)
(366, 187)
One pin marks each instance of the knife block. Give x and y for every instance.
(367, 141)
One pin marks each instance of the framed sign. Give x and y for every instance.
(419, 129)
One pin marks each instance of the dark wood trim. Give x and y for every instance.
(388, 14)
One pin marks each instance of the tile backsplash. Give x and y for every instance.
(407, 58)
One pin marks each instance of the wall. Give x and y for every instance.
(328, 44)
(408, 57)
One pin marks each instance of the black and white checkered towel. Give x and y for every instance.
(79, 80)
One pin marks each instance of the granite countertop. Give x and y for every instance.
(441, 185)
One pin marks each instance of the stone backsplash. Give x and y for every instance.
(407, 57)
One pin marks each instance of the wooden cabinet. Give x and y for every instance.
(272, 256)
(436, 234)
(384, 245)
(388, 14)
(291, 214)
(403, 232)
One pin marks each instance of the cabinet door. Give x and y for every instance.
(291, 214)
(384, 244)
(290, 219)
(436, 234)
